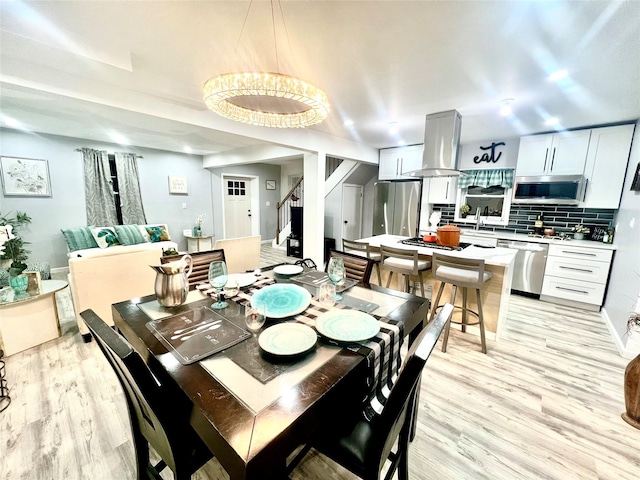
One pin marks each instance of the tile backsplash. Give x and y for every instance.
(523, 216)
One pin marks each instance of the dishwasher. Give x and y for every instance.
(528, 270)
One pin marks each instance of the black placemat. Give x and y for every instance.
(315, 279)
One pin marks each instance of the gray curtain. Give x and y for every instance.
(129, 188)
(101, 209)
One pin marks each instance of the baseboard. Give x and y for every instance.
(617, 340)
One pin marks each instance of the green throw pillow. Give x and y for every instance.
(158, 233)
(79, 238)
(129, 234)
(105, 236)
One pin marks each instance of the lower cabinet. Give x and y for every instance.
(576, 274)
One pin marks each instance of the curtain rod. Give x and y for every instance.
(79, 150)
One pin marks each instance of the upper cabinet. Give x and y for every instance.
(396, 161)
(606, 165)
(562, 153)
(442, 189)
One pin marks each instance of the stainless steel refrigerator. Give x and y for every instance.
(396, 207)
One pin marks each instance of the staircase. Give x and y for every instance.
(292, 199)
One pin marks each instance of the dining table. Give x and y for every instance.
(253, 409)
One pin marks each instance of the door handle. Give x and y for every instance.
(345, 222)
(546, 155)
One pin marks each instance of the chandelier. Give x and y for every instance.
(266, 99)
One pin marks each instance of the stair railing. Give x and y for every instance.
(291, 199)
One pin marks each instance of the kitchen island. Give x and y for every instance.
(495, 294)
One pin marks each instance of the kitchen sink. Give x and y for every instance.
(477, 232)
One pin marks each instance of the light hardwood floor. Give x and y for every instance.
(544, 403)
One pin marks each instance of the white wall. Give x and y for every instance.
(624, 282)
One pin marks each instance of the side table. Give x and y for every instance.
(28, 322)
(199, 244)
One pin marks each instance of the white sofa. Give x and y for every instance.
(99, 277)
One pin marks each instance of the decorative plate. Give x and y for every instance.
(243, 279)
(287, 339)
(347, 325)
(282, 300)
(288, 269)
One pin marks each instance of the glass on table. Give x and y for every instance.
(254, 316)
(232, 288)
(336, 272)
(327, 295)
(218, 277)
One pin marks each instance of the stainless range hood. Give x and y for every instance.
(441, 142)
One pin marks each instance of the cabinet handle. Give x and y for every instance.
(553, 157)
(446, 193)
(577, 269)
(586, 185)
(546, 155)
(572, 290)
(397, 166)
(580, 253)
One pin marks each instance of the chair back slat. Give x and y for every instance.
(201, 261)
(356, 267)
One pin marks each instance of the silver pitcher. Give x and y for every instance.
(172, 284)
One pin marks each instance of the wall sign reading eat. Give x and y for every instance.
(490, 155)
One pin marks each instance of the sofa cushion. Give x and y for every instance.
(79, 238)
(157, 233)
(129, 234)
(105, 236)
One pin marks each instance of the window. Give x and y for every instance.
(236, 188)
(487, 190)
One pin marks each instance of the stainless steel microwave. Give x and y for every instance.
(554, 189)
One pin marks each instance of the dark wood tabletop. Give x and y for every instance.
(255, 445)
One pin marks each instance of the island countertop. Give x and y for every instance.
(497, 256)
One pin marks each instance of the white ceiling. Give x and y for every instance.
(88, 69)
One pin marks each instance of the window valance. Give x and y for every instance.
(486, 178)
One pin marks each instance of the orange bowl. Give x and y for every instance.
(429, 238)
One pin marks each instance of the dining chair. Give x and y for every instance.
(364, 249)
(242, 253)
(356, 267)
(363, 447)
(201, 261)
(158, 417)
(403, 262)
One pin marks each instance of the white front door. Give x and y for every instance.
(351, 212)
(237, 207)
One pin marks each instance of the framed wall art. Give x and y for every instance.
(25, 177)
(271, 184)
(178, 185)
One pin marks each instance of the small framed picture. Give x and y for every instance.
(271, 184)
(178, 185)
(25, 177)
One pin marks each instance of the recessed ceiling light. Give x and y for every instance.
(505, 109)
(11, 122)
(552, 121)
(187, 149)
(393, 128)
(348, 123)
(557, 75)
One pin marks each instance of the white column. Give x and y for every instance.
(313, 221)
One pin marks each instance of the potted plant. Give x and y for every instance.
(580, 231)
(632, 379)
(15, 252)
(464, 210)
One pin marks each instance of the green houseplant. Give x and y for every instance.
(14, 248)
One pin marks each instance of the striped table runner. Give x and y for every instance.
(382, 352)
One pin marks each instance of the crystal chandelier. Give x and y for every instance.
(266, 99)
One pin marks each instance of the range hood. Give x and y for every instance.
(441, 142)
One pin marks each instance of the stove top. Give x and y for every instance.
(419, 242)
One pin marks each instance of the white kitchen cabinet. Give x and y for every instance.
(562, 153)
(576, 274)
(607, 160)
(396, 161)
(443, 189)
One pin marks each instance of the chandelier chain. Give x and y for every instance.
(242, 29)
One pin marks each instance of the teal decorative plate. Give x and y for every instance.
(282, 300)
(347, 325)
(287, 339)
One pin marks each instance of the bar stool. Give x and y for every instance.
(465, 273)
(404, 262)
(363, 249)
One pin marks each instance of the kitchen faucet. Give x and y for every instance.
(477, 225)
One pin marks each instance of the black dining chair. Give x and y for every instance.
(158, 417)
(356, 267)
(363, 447)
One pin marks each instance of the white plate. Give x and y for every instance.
(287, 339)
(243, 279)
(288, 269)
(347, 325)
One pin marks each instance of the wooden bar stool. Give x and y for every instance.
(465, 273)
(363, 249)
(404, 262)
